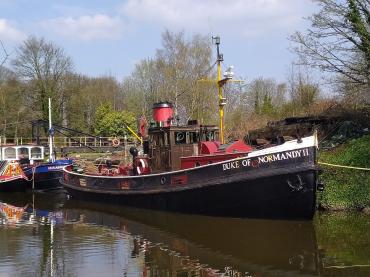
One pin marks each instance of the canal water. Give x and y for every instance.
(47, 234)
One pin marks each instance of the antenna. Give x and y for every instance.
(216, 40)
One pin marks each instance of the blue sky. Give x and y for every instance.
(108, 37)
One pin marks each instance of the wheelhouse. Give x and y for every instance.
(166, 145)
(29, 153)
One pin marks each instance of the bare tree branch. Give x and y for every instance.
(43, 64)
(339, 40)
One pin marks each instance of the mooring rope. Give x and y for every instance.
(345, 166)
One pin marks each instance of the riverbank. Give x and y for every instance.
(346, 188)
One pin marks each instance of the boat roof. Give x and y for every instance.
(19, 152)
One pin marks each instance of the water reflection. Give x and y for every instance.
(48, 235)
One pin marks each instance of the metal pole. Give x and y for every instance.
(51, 155)
(219, 86)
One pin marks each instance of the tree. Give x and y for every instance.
(339, 40)
(182, 64)
(113, 123)
(173, 75)
(264, 96)
(3, 58)
(304, 91)
(12, 107)
(44, 66)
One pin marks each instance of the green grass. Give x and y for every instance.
(346, 189)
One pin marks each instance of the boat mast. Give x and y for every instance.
(51, 133)
(228, 75)
(221, 101)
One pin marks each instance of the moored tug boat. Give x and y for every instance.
(185, 169)
(190, 169)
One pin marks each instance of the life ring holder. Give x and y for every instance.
(141, 165)
(180, 136)
(115, 142)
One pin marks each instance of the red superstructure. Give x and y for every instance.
(212, 152)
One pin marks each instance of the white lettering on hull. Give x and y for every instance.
(294, 154)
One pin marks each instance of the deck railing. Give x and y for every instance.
(67, 141)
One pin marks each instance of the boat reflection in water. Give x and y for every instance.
(55, 236)
(238, 246)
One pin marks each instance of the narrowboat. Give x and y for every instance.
(22, 167)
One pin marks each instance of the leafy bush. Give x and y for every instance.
(113, 123)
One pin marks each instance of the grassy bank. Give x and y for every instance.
(346, 189)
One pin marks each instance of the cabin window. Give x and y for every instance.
(36, 153)
(9, 153)
(180, 137)
(160, 140)
(193, 137)
(153, 141)
(166, 139)
(208, 136)
(23, 153)
(215, 137)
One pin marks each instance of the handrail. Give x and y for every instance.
(61, 141)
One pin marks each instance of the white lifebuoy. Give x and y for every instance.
(141, 164)
(115, 142)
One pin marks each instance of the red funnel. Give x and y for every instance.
(163, 113)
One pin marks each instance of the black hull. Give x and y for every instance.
(267, 197)
(43, 181)
(274, 185)
(48, 180)
(18, 185)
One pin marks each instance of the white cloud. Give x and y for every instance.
(87, 27)
(249, 17)
(7, 32)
